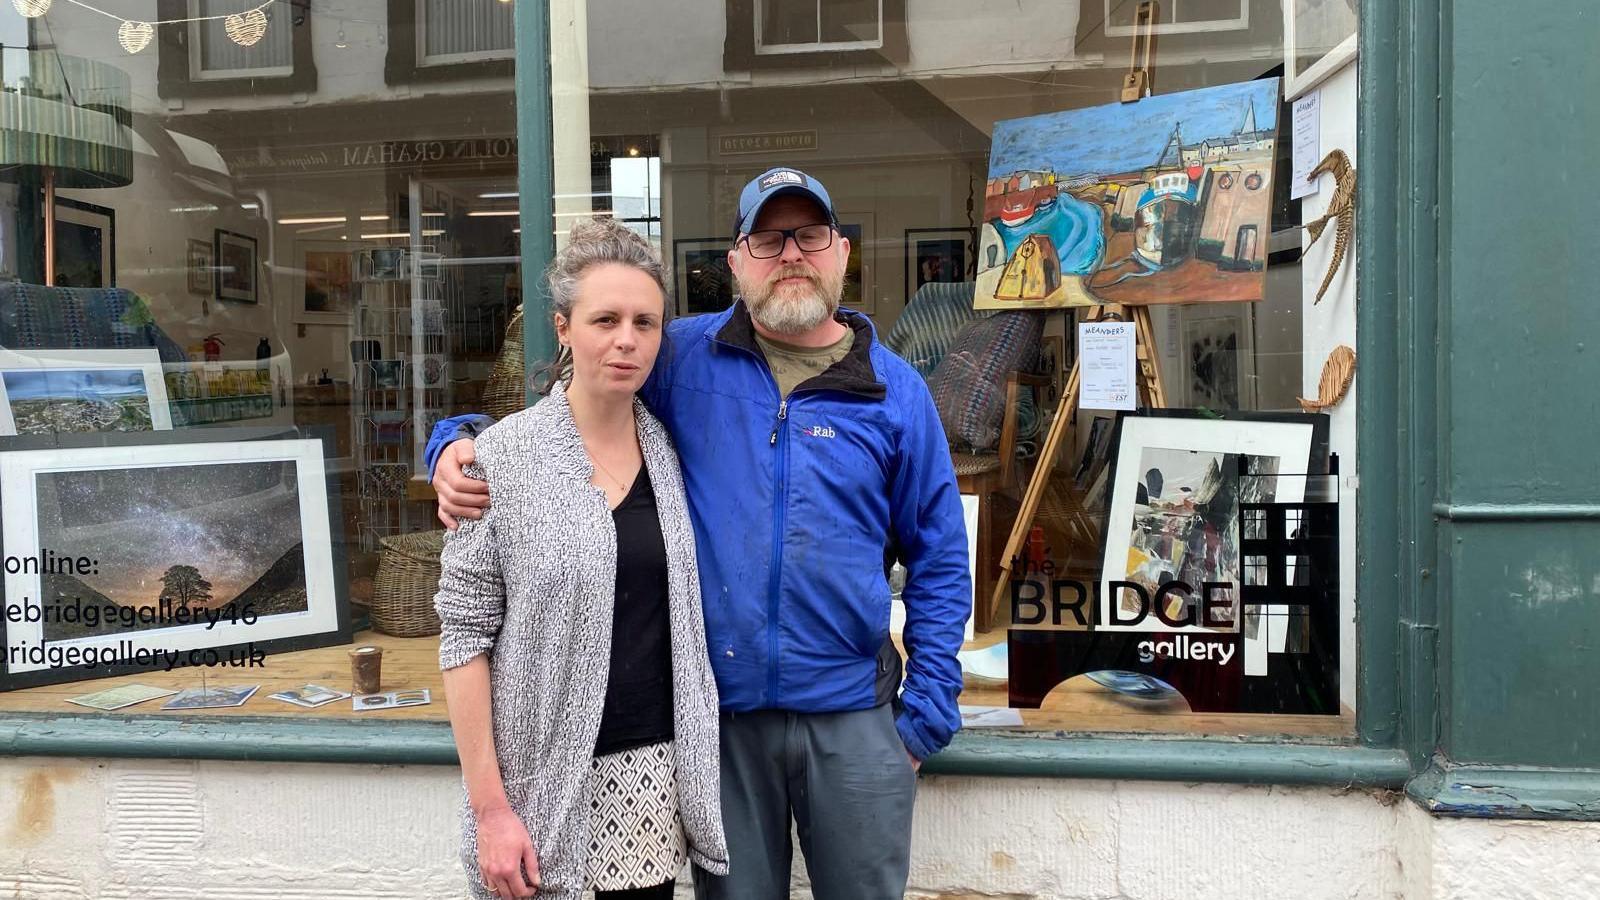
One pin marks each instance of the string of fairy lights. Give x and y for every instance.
(245, 28)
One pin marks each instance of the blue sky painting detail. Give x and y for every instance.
(1122, 137)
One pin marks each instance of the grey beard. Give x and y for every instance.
(792, 316)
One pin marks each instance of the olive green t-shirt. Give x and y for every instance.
(792, 365)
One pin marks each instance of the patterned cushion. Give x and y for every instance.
(969, 385)
(33, 316)
(923, 333)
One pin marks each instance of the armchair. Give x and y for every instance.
(977, 365)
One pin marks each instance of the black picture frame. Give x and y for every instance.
(1305, 682)
(200, 261)
(955, 250)
(226, 287)
(85, 245)
(340, 633)
(704, 279)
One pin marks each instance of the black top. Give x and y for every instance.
(638, 706)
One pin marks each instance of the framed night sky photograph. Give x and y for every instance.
(174, 531)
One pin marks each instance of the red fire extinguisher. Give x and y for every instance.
(213, 345)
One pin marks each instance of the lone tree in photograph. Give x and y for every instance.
(184, 586)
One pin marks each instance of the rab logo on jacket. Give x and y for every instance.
(821, 431)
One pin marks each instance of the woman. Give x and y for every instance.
(573, 643)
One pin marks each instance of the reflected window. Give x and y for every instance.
(800, 26)
(452, 31)
(213, 54)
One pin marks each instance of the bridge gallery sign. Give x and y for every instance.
(1219, 580)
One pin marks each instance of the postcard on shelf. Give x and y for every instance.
(310, 696)
(118, 697)
(391, 700)
(212, 697)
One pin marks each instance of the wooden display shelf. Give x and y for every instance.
(412, 663)
(408, 664)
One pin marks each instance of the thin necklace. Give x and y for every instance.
(620, 485)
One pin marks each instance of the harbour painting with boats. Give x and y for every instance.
(1167, 200)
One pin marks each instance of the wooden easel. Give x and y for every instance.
(1151, 395)
(1136, 85)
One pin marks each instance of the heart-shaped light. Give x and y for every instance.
(135, 36)
(32, 8)
(246, 28)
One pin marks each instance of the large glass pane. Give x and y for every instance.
(788, 22)
(456, 27)
(848, 21)
(997, 206)
(316, 265)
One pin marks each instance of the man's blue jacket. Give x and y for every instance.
(798, 507)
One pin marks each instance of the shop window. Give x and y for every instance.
(198, 59)
(212, 54)
(805, 26)
(450, 31)
(972, 181)
(806, 33)
(261, 303)
(1180, 16)
(439, 41)
(635, 183)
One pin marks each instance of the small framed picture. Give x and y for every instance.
(939, 256)
(235, 267)
(86, 244)
(199, 267)
(326, 292)
(50, 392)
(705, 281)
(859, 291)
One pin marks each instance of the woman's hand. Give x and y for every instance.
(504, 852)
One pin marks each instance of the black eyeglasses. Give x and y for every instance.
(768, 243)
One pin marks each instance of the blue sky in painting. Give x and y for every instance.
(48, 384)
(1120, 137)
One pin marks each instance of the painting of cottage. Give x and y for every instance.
(1167, 200)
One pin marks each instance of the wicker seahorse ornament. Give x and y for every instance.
(1342, 208)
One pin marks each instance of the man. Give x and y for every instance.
(811, 456)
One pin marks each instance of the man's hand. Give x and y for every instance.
(507, 861)
(460, 496)
(916, 764)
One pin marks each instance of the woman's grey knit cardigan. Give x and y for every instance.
(532, 584)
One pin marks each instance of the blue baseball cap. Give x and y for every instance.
(772, 183)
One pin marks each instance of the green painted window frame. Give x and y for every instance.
(1398, 242)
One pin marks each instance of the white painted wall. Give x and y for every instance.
(78, 829)
(1327, 325)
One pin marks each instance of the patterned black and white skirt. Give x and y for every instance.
(636, 838)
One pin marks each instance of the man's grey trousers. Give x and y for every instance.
(847, 782)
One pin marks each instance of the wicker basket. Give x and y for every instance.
(408, 577)
(507, 390)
